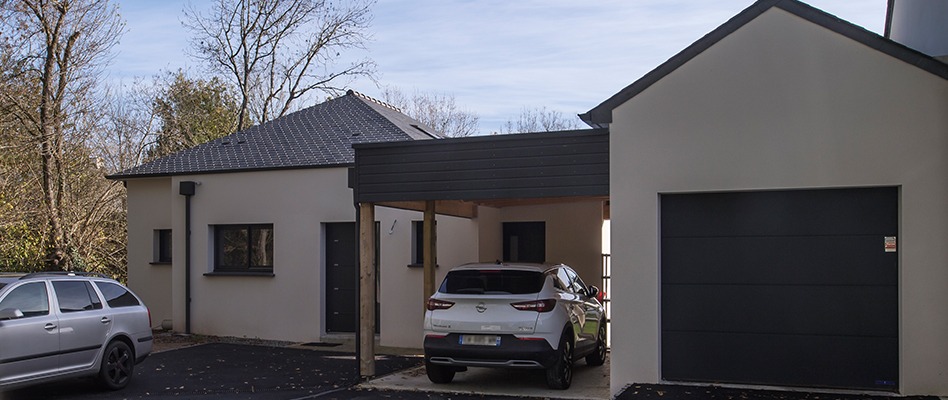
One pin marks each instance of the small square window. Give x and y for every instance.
(243, 248)
(162, 246)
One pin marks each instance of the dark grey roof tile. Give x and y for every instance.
(318, 136)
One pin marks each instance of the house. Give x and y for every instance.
(271, 224)
(778, 206)
(271, 252)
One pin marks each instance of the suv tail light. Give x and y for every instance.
(435, 304)
(535, 305)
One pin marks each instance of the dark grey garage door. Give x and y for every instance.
(782, 287)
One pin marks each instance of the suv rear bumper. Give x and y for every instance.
(511, 353)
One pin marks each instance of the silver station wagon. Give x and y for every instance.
(62, 325)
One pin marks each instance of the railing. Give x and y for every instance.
(607, 288)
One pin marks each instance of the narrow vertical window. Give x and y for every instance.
(162, 246)
(418, 242)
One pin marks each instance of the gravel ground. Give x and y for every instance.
(166, 340)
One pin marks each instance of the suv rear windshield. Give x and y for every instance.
(492, 281)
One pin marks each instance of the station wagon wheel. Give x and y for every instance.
(560, 374)
(118, 364)
(598, 357)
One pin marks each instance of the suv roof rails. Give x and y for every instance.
(64, 273)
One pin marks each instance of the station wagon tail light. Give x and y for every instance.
(535, 305)
(435, 304)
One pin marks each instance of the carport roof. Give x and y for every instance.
(601, 115)
(533, 168)
(315, 137)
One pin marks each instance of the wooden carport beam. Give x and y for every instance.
(367, 289)
(430, 248)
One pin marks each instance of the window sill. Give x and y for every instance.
(160, 263)
(420, 265)
(241, 273)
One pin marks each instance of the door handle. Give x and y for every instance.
(49, 327)
(106, 320)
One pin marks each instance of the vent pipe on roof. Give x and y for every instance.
(919, 24)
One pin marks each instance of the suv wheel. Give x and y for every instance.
(118, 364)
(598, 357)
(439, 373)
(560, 375)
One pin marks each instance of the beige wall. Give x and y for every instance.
(149, 209)
(402, 290)
(783, 103)
(573, 234)
(290, 305)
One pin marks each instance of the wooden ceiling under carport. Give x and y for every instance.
(494, 171)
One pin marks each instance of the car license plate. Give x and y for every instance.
(480, 340)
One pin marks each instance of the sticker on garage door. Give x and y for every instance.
(891, 244)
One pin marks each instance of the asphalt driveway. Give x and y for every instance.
(241, 371)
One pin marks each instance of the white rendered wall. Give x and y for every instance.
(149, 209)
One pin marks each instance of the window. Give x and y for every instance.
(524, 241)
(418, 241)
(31, 299)
(243, 248)
(162, 246)
(116, 295)
(76, 296)
(492, 282)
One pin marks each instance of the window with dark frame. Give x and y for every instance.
(163, 246)
(418, 248)
(243, 248)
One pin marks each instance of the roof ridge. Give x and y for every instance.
(374, 100)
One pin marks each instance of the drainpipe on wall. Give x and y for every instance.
(187, 189)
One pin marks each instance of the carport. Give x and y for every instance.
(456, 177)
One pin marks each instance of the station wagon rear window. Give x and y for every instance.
(492, 282)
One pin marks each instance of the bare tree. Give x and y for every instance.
(540, 119)
(439, 111)
(61, 46)
(277, 51)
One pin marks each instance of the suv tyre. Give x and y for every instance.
(598, 357)
(560, 375)
(439, 373)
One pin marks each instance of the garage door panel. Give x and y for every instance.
(840, 260)
(781, 213)
(781, 288)
(792, 360)
(810, 310)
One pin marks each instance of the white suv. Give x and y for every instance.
(513, 316)
(61, 325)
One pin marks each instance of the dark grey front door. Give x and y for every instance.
(341, 277)
(790, 288)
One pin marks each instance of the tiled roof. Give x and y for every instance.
(601, 115)
(318, 136)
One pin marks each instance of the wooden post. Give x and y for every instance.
(367, 290)
(430, 249)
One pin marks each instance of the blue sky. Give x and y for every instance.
(494, 56)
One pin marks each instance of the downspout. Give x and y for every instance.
(187, 189)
